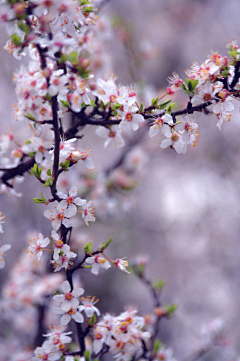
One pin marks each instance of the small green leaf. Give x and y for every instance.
(93, 103)
(16, 40)
(157, 345)
(170, 309)
(30, 116)
(164, 104)
(88, 248)
(159, 284)
(232, 53)
(65, 103)
(92, 320)
(66, 164)
(87, 355)
(141, 108)
(48, 182)
(49, 172)
(104, 245)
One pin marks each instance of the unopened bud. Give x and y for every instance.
(84, 62)
(159, 311)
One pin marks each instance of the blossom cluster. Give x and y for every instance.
(124, 334)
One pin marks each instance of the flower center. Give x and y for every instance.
(68, 296)
(58, 243)
(129, 117)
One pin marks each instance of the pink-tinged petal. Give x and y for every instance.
(138, 118)
(2, 262)
(67, 223)
(78, 292)
(166, 143)
(65, 319)
(78, 317)
(39, 254)
(73, 191)
(58, 298)
(61, 195)
(6, 247)
(50, 214)
(44, 242)
(135, 125)
(167, 118)
(90, 260)
(107, 142)
(56, 224)
(79, 201)
(102, 132)
(88, 311)
(71, 211)
(89, 163)
(153, 130)
(66, 305)
(57, 310)
(66, 287)
(75, 302)
(95, 268)
(62, 206)
(228, 106)
(38, 157)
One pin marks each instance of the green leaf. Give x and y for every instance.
(170, 108)
(92, 320)
(141, 108)
(116, 106)
(88, 248)
(194, 83)
(16, 40)
(224, 73)
(159, 284)
(87, 355)
(24, 27)
(49, 172)
(105, 244)
(232, 53)
(73, 57)
(93, 103)
(66, 164)
(35, 170)
(164, 104)
(157, 345)
(48, 182)
(170, 309)
(65, 103)
(30, 116)
(85, 2)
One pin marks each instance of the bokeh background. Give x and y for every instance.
(186, 209)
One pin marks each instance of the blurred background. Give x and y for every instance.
(184, 212)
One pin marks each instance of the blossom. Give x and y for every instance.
(36, 245)
(159, 124)
(112, 136)
(130, 119)
(72, 313)
(3, 249)
(88, 306)
(71, 201)
(67, 298)
(60, 216)
(87, 213)
(96, 262)
(63, 259)
(122, 264)
(1, 222)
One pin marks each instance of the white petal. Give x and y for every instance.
(154, 129)
(65, 319)
(78, 317)
(66, 287)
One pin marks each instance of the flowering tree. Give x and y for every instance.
(59, 93)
